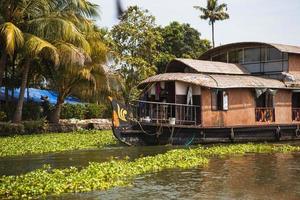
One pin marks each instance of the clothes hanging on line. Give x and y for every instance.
(189, 96)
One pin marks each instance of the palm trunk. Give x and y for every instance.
(55, 114)
(6, 88)
(3, 61)
(13, 79)
(213, 34)
(18, 113)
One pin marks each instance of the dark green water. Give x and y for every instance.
(23, 164)
(253, 176)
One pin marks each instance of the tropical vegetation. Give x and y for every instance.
(57, 37)
(213, 12)
(135, 43)
(102, 176)
(55, 142)
(180, 41)
(56, 45)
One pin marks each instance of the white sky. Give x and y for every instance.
(276, 21)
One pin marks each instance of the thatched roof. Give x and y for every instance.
(281, 47)
(217, 80)
(203, 66)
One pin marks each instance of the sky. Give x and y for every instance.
(276, 21)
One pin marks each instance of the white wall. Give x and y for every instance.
(181, 88)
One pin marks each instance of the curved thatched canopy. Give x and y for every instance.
(217, 80)
(203, 66)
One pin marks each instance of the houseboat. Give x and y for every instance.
(239, 92)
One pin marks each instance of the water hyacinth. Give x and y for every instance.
(55, 142)
(102, 176)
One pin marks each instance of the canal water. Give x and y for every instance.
(252, 176)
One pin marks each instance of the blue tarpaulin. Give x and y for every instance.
(36, 94)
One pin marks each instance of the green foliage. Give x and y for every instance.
(85, 111)
(31, 111)
(102, 176)
(213, 12)
(181, 41)
(96, 111)
(54, 142)
(73, 111)
(135, 42)
(58, 36)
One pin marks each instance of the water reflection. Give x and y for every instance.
(274, 176)
(23, 164)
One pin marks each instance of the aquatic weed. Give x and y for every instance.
(102, 176)
(55, 142)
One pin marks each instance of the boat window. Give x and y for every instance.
(220, 58)
(265, 111)
(274, 54)
(252, 55)
(296, 105)
(233, 57)
(219, 100)
(266, 100)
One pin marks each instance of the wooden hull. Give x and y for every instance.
(153, 134)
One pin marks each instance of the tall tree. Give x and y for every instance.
(34, 47)
(79, 72)
(47, 21)
(213, 12)
(135, 41)
(181, 41)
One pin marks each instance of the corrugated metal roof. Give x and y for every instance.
(218, 80)
(280, 47)
(203, 66)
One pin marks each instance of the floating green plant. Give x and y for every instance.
(102, 176)
(55, 142)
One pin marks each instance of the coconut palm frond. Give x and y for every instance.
(31, 9)
(55, 28)
(35, 46)
(213, 12)
(11, 37)
(82, 23)
(99, 50)
(83, 7)
(70, 55)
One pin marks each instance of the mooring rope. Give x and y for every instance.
(142, 129)
(191, 141)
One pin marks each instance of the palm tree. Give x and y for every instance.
(44, 21)
(77, 71)
(48, 27)
(213, 12)
(34, 47)
(11, 39)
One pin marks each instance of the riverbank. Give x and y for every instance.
(102, 176)
(55, 142)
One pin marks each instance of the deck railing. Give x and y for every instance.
(296, 114)
(159, 112)
(265, 114)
